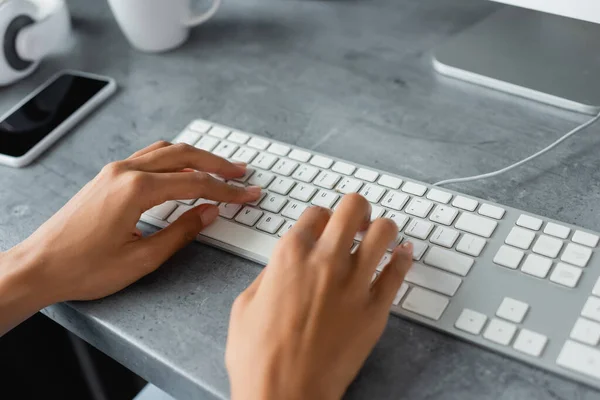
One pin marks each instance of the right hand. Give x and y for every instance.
(306, 325)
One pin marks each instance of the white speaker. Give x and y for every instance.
(29, 31)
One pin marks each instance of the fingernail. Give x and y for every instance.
(254, 189)
(406, 248)
(209, 215)
(241, 165)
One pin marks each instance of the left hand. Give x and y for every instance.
(91, 248)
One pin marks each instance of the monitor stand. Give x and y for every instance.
(551, 59)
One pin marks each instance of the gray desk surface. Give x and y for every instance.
(349, 78)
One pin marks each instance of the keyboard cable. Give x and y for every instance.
(524, 161)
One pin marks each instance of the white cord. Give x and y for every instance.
(526, 160)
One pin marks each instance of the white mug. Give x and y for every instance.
(158, 25)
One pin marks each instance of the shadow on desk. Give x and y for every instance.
(38, 361)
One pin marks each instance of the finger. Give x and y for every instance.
(311, 224)
(373, 246)
(179, 156)
(352, 215)
(163, 244)
(154, 146)
(196, 185)
(387, 284)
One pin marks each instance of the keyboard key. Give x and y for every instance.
(366, 174)
(228, 210)
(576, 255)
(321, 162)
(419, 207)
(439, 196)
(530, 342)
(284, 167)
(596, 290)
(390, 182)
(449, 261)
(470, 321)
(500, 332)
(586, 331)
(372, 193)
(264, 161)
(529, 222)
(465, 203)
(414, 188)
(471, 245)
(383, 262)
(508, 257)
(433, 279)
(188, 202)
(401, 292)
(299, 155)
(247, 175)
(419, 248)
(303, 192)
(591, 309)
(445, 237)
(327, 179)
(207, 143)
(249, 216)
(560, 231)
(285, 228)
(273, 203)
(419, 228)
(325, 199)
(188, 136)
(241, 237)
(279, 149)
(162, 211)
(305, 173)
(394, 243)
(580, 358)
(376, 212)
(548, 246)
(270, 223)
(259, 143)
(349, 185)
(491, 211)
(225, 150)
(343, 168)
(395, 200)
(586, 239)
(261, 178)
(294, 210)
(282, 185)
(245, 155)
(566, 275)
(423, 302)
(519, 237)
(238, 137)
(219, 131)
(536, 265)
(475, 224)
(512, 310)
(443, 214)
(178, 213)
(399, 218)
(200, 126)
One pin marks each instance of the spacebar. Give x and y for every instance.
(250, 243)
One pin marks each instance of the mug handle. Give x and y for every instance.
(202, 18)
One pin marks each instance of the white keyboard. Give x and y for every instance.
(519, 284)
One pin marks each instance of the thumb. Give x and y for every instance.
(386, 286)
(184, 230)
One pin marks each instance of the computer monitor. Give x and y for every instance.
(546, 50)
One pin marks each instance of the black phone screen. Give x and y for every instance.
(40, 115)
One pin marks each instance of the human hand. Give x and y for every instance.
(306, 325)
(91, 248)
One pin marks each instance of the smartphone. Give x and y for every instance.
(40, 119)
